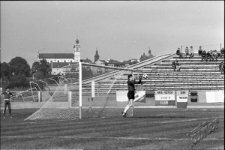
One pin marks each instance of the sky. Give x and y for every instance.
(120, 30)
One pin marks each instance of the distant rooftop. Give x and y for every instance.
(56, 56)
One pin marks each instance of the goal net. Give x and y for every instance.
(60, 102)
(86, 91)
(101, 90)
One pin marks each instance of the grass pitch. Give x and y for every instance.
(148, 129)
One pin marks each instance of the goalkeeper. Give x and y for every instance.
(131, 92)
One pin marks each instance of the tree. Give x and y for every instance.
(41, 69)
(18, 66)
(5, 70)
(19, 80)
(5, 74)
(35, 66)
(45, 68)
(39, 75)
(1, 70)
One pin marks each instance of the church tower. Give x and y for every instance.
(96, 56)
(76, 51)
(150, 53)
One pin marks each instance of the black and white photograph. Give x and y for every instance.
(112, 75)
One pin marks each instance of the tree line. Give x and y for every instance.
(18, 73)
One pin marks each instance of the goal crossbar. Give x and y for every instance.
(110, 67)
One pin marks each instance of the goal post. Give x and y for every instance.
(80, 90)
(99, 89)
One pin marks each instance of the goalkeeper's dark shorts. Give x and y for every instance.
(130, 95)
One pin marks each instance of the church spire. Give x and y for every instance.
(96, 57)
(149, 51)
(76, 49)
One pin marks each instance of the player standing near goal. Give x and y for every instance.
(131, 92)
(7, 95)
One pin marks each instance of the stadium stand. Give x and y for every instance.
(194, 75)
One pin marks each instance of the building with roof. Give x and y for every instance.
(144, 57)
(59, 60)
(62, 57)
(57, 67)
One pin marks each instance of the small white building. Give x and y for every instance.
(57, 68)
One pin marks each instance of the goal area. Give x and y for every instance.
(86, 91)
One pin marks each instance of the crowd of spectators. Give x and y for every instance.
(188, 52)
(211, 55)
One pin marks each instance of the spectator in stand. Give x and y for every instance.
(174, 65)
(177, 65)
(179, 53)
(191, 52)
(204, 57)
(187, 51)
(221, 67)
(217, 54)
(214, 55)
(208, 56)
(211, 55)
(222, 52)
(200, 51)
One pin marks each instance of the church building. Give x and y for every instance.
(59, 60)
(144, 56)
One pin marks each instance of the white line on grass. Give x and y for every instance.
(116, 138)
(187, 120)
(166, 114)
(115, 122)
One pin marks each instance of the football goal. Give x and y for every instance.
(87, 91)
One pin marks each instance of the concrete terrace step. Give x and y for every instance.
(211, 67)
(160, 88)
(180, 74)
(195, 57)
(192, 60)
(184, 72)
(170, 77)
(185, 88)
(185, 68)
(165, 80)
(163, 84)
(156, 85)
(182, 69)
(190, 64)
(153, 86)
(174, 75)
(149, 87)
(175, 80)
